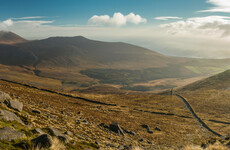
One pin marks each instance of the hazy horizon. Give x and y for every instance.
(198, 29)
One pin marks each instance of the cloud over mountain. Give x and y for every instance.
(118, 20)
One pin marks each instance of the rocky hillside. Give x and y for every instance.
(32, 117)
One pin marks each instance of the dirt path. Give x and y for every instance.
(195, 115)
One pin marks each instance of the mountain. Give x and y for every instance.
(220, 81)
(82, 52)
(10, 38)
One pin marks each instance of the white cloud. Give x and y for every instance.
(5, 24)
(31, 17)
(118, 20)
(219, 6)
(167, 18)
(216, 26)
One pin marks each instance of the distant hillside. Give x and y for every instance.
(219, 81)
(82, 52)
(10, 38)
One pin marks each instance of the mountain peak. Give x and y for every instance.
(7, 37)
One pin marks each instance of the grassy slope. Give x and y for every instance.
(210, 99)
(176, 131)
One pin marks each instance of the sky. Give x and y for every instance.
(188, 28)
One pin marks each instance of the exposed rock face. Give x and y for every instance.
(116, 128)
(43, 141)
(9, 134)
(16, 105)
(9, 116)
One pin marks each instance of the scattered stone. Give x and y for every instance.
(38, 131)
(43, 141)
(36, 111)
(116, 128)
(79, 113)
(147, 127)
(69, 133)
(9, 134)
(141, 140)
(103, 125)
(157, 129)
(129, 132)
(13, 104)
(9, 116)
(110, 145)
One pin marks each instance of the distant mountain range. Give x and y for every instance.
(76, 51)
(83, 60)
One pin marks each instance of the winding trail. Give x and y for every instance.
(62, 94)
(196, 116)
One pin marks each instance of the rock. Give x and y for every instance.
(103, 125)
(110, 145)
(69, 133)
(116, 128)
(38, 131)
(129, 132)
(141, 140)
(4, 96)
(9, 134)
(9, 116)
(16, 105)
(43, 141)
(147, 127)
(157, 129)
(36, 111)
(58, 134)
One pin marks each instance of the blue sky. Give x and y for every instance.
(79, 11)
(190, 28)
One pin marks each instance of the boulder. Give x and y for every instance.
(58, 134)
(4, 96)
(9, 116)
(116, 128)
(16, 105)
(43, 141)
(10, 134)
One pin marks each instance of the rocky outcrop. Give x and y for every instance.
(9, 116)
(10, 134)
(4, 96)
(16, 105)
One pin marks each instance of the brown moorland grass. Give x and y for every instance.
(175, 130)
